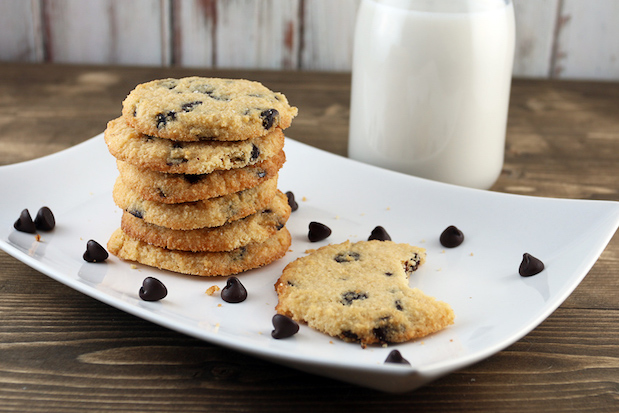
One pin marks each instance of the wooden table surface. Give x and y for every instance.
(63, 351)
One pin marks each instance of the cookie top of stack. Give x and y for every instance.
(197, 108)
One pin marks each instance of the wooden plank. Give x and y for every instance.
(20, 31)
(328, 34)
(104, 31)
(535, 31)
(259, 34)
(194, 32)
(588, 40)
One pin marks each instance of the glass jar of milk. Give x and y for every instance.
(430, 87)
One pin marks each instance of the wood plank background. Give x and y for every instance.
(562, 39)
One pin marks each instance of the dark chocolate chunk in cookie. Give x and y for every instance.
(269, 117)
(188, 107)
(349, 296)
(136, 213)
(347, 256)
(162, 119)
(412, 264)
(255, 152)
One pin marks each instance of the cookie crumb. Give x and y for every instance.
(212, 290)
(38, 238)
(304, 199)
(134, 267)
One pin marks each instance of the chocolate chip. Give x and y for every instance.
(234, 291)
(212, 95)
(45, 219)
(169, 83)
(318, 232)
(95, 252)
(347, 256)
(349, 335)
(268, 117)
(396, 357)
(350, 296)
(238, 254)
(188, 107)
(261, 173)
(398, 305)
(161, 193)
(176, 161)
(162, 119)
(451, 237)
(284, 326)
(152, 289)
(291, 201)
(388, 274)
(255, 153)
(381, 333)
(412, 264)
(192, 179)
(379, 233)
(530, 265)
(136, 213)
(24, 223)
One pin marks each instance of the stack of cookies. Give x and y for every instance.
(199, 161)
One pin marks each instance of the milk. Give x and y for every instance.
(430, 88)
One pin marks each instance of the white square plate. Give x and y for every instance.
(494, 306)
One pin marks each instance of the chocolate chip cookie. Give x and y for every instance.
(198, 109)
(212, 212)
(360, 292)
(164, 155)
(250, 256)
(253, 228)
(175, 188)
